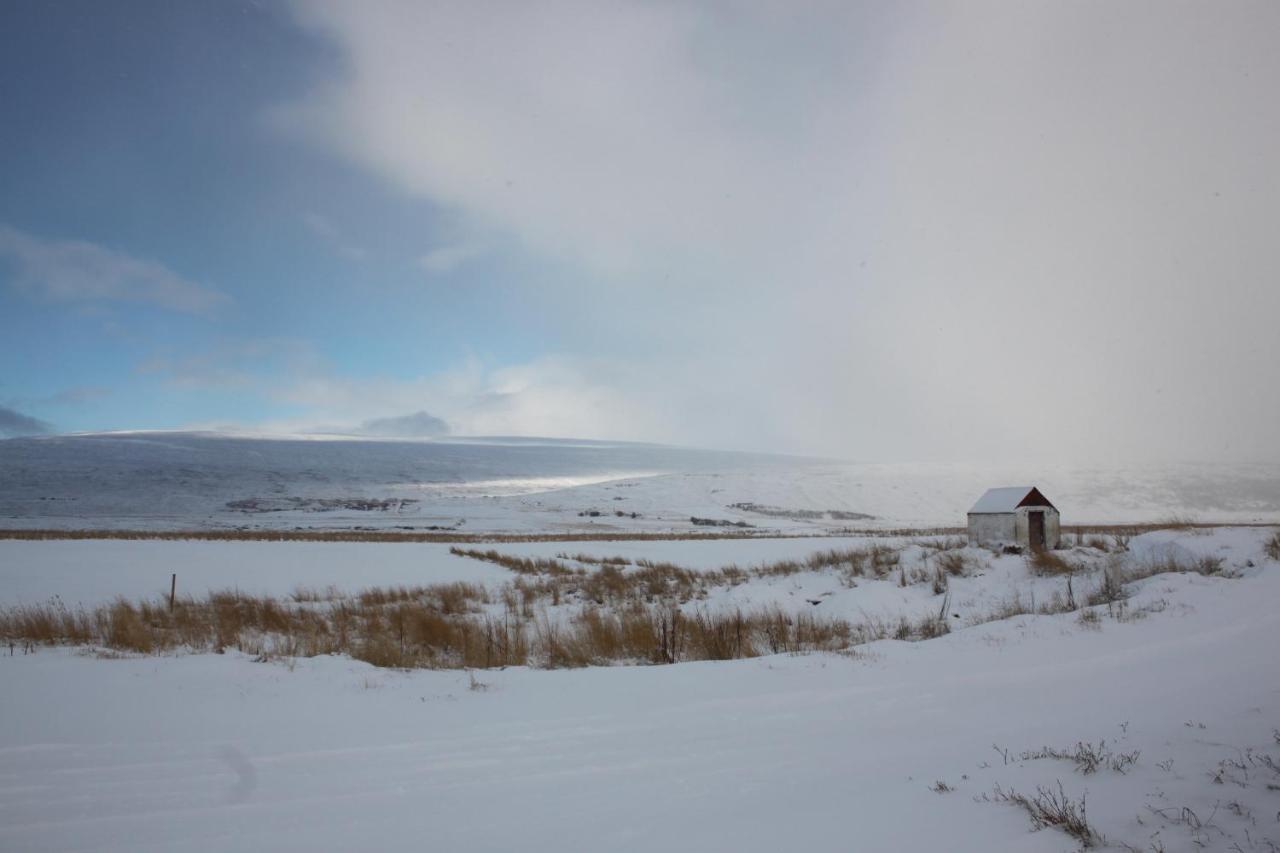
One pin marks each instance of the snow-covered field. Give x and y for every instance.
(93, 572)
(890, 745)
(821, 751)
(194, 480)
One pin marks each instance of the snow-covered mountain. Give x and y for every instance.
(187, 479)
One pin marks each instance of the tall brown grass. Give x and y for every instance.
(1050, 563)
(429, 629)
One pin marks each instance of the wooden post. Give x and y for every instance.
(173, 589)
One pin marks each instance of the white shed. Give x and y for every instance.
(1014, 515)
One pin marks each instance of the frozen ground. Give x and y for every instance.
(190, 480)
(822, 752)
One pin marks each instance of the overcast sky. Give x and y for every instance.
(882, 231)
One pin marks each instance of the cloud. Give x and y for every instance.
(76, 271)
(878, 230)
(13, 424)
(416, 425)
(594, 131)
(549, 396)
(446, 259)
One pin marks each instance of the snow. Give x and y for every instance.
(1003, 499)
(218, 752)
(193, 480)
(91, 572)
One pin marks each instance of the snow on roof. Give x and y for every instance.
(1003, 499)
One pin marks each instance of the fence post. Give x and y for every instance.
(173, 589)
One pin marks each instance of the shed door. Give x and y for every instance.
(1035, 521)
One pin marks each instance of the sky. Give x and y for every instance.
(887, 231)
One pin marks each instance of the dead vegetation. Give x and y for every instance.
(1125, 532)
(617, 580)
(576, 609)
(447, 626)
(555, 612)
(1051, 563)
(1272, 546)
(1050, 808)
(1087, 757)
(1169, 564)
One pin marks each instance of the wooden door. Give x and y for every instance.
(1035, 522)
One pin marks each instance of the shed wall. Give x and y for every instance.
(993, 527)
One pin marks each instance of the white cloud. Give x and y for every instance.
(76, 271)
(598, 131)
(547, 397)
(869, 229)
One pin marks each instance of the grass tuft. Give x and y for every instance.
(1050, 808)
(1272, 546)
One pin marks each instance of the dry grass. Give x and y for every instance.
(1204, 565)
(1050, 808)
(1110, 588)
(433, 627)
(942, 543)
(1048, 563)
(1125, 532)
(590, 560)
(1091, 619)
(558, 611)
(617, 582)
(658, 635)
(552, 613)
(519, 565)
(952, 563)
(429, 626)
(1098, 542)
(1272, 546)
(1087, 757)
